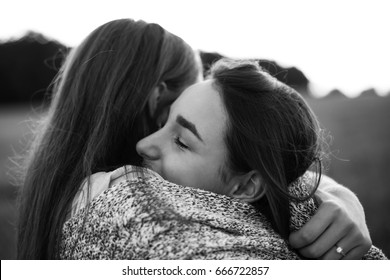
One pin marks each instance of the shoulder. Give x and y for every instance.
(99, 183)
(150, 218)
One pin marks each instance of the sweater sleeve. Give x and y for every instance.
(374, 254)
(302, 211)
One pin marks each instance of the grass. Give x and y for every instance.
(7, 223)
(360, 158)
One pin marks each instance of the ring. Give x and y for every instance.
(340, 251)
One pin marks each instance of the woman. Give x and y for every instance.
(241, 137)
(104, 103)
(113, 90)
(242, 134)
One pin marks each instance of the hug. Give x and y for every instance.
(138, 158)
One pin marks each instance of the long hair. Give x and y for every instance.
(270, 129)
(96, 117)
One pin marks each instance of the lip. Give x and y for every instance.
(147, 164)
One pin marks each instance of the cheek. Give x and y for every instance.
(194, 173)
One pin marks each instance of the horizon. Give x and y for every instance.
(337, 45)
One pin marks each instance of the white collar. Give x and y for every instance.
(100, 181)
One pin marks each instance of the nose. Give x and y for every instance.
(148, 148)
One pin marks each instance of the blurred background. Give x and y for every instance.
(336, 54)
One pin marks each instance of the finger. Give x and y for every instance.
(323, 244)
(354, 246)
(355, 253)
(312, 229)
(332, 253)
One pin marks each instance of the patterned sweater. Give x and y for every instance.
(142, 216)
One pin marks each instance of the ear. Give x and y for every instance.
(248, 187)
(155, 96)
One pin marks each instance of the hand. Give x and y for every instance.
(339, 221)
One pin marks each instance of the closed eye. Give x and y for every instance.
(180, 144)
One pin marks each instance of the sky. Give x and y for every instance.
(336, 43)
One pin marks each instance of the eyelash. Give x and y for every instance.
(180, 144)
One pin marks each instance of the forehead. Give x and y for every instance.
(202, 105)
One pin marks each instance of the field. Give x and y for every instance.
(360, 160)
(13, 133)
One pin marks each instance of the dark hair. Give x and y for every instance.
(96, 118)
(270, 129)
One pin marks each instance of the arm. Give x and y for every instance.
(339, 220)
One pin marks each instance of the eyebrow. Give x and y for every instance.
(189, 125)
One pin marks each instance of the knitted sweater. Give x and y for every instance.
(146, 217)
